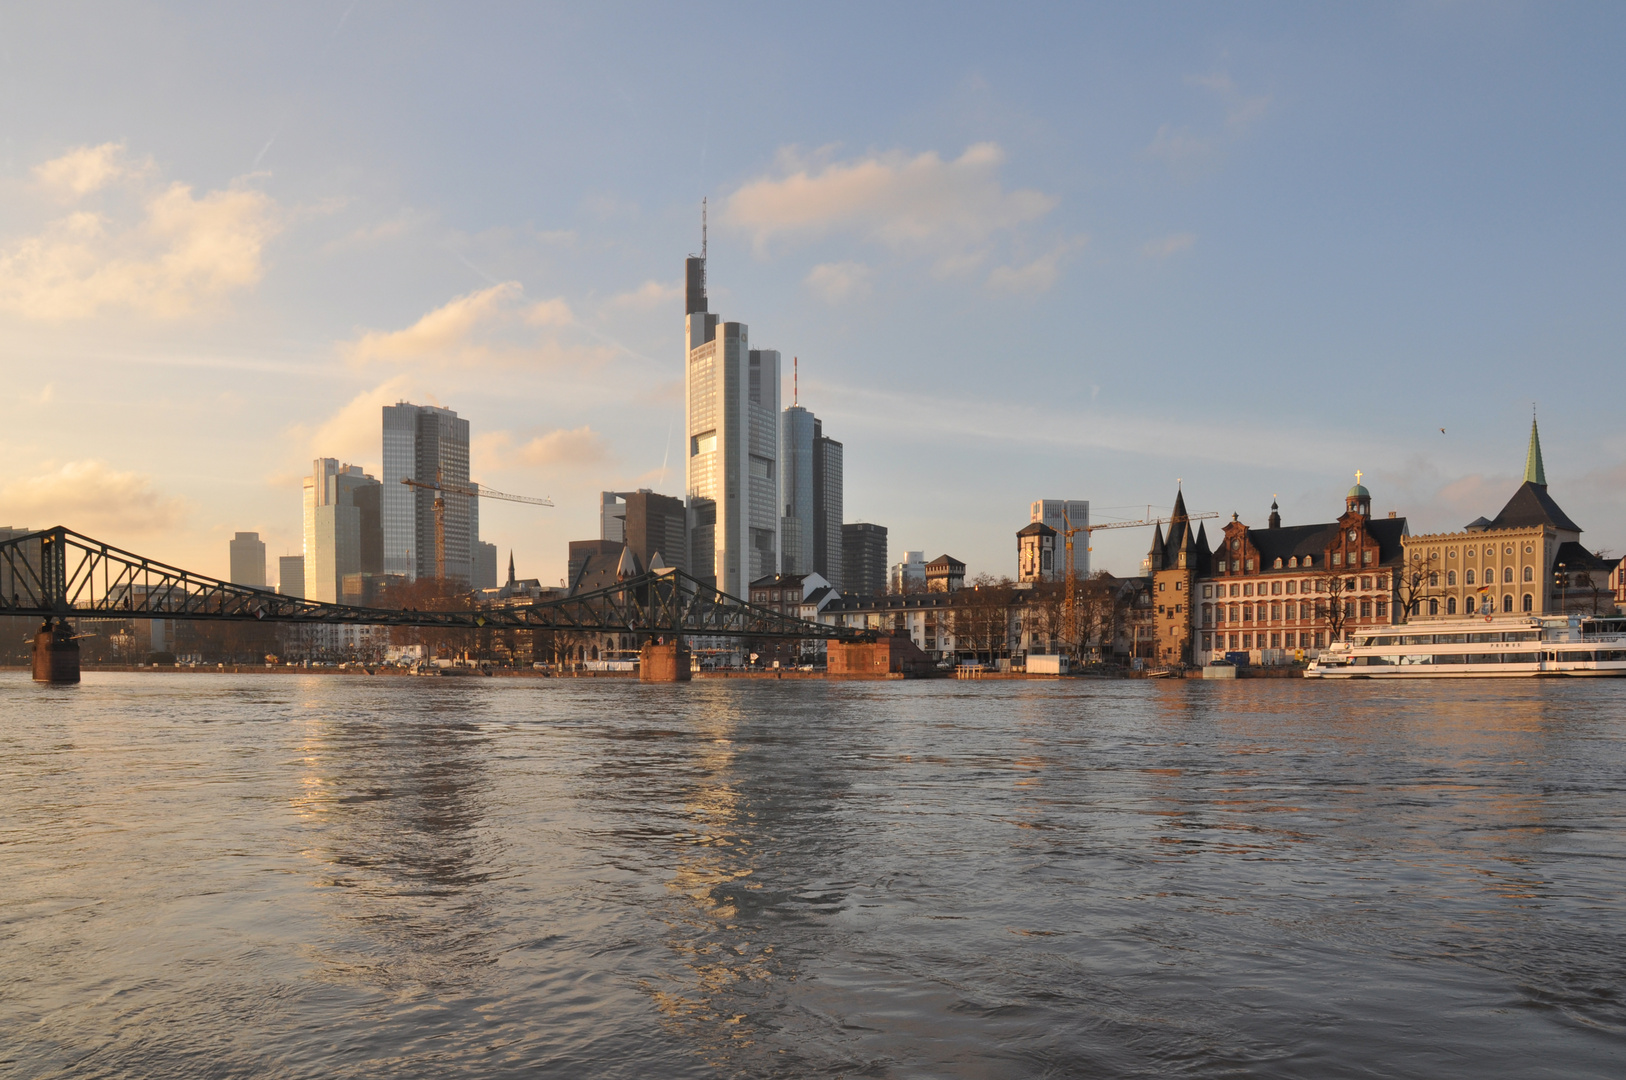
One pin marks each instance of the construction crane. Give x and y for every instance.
(1069, 530)
(441, 488)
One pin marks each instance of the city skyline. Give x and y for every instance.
(1257, 248)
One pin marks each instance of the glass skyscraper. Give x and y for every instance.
(431, 444)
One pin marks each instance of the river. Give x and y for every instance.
(327, 876)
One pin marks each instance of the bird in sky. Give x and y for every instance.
(1442, 431)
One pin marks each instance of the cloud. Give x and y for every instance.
(485, 328)
(836, 282)
(180, 250)
(574, 447)
(88, 168)
(1164, 246)
(1188, 153)
(92, 498)
(1033, 277)
(910, 203)
(353, 434)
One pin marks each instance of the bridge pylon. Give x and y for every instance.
(56, 653)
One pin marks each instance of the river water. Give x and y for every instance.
(319, 876)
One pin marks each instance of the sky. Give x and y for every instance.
(1041, 251)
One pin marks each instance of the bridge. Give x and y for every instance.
(58, 574)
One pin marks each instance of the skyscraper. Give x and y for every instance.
(863, 559)
(291, 575)
(646, 523)
(810, 528)
(431, 444)
(248, 560)
(335, 498)
(732, 428)
(1057, 513)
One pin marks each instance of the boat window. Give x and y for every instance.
(1418, 658)
(1612, 654)
(1485, 658)
(1450, 658)
(1417, 639)
(1522, 635)
(1521, 657)
(1450, 639)
(1481, 639)
(1387, 640)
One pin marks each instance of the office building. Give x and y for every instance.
(248, 560)
(336, 540)
(731, 394)
(485, 565)
(810, 487)
(291, 575)
(647, 524)
(1059, 514)
(863, 559)
(909, 575)
(430, 444)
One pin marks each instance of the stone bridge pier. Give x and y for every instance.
(56, 653)
(668, 662)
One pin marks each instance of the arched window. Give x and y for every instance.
(1529, 602)
(1433, 579)
(1451, 605)
(1529, 575)
(1507, 603)
(1451, 579)
(1507, 575)
(1309, 560)
(1433, 607)
(1468, 577)
(1468, 605)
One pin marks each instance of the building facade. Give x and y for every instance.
(732, 432)
(811, 488)
(429, 444)
(863, 559)
(1036, 552)
(291, 575)
(248, 560)
(339, 538)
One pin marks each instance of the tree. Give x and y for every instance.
(1415, 580)
(1331, 606)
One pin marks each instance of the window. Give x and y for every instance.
(1507, 602)
(1208, 591)
(1294, 561)
(1451, 554)
(1383, 608)
(1349, 609)
(1160, 588)
(1309, 560)
(1366, 609)
(1529, 602)
(1248, 563)
(704, 443)
(1338, 558)
(1277, 565)
(1451, 605)
(1275, 641)
(1276, 612)
(1469, 553)
(1304, 586)
(1468, 577)
(1220, 565)
(1292, 587)
(1451, 578)
(1366, 583)
(1275, 588)
(1247, 641)
(1178, 585)
(1353, 536)
(1247, 590)
(1433, 578)
(1529, 575)
(1366, 557)
(1508, 550)
(1321, 639)
(1433, 607)
(1236, 590)
(1208, 614)
(1468, 606)
(1247, 613)
(1507, 575)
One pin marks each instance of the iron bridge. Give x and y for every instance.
(61, 574)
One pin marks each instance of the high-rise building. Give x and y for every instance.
(810, 488)
(335, 540)
(291, 575)
(248, 560)
(732, 429)
(1058, 513)
(863, 559)
(485, 566)
(431, 444)
(646, 523)
(612, 516)
(909, 575)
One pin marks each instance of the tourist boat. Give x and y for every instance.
(1477, 648)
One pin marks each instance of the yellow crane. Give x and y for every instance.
(441, 487)
(1069, 530)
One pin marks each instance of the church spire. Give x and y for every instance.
(510, 566)
(1533, 471)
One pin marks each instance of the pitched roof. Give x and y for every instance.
(1296, 541)
(1531, 506)
(1577, 558)
(1037, 528)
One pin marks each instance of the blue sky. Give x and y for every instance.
(1066, 251)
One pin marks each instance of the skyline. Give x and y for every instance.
(1253, 250)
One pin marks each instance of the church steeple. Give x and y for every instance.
(1534, 473)
(510, 566)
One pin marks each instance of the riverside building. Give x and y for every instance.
(431, 444)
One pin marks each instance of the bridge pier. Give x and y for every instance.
(663, 663)
(888, 656)
(56, 654)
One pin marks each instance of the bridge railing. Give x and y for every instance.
(59, 573)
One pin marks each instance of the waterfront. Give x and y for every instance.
(307, 876)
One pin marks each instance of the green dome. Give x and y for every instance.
(1358, 492)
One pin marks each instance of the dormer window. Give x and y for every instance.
(1277, 565)
(1293, 562)
(1309, 560)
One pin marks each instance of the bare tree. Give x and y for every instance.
(1415, 580)
(1332, 605)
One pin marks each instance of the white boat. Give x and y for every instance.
(1476, 648)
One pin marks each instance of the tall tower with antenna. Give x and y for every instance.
(731, 419)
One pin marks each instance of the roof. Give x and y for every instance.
(1577, 558)
(1534, 471)
(1296, 541)
(945, 562)
(1037, 528)
(891, 602)
(1532, 506)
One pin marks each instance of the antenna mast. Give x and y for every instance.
(795, 380)
(702, 243)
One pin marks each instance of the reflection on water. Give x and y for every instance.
(223, 876)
